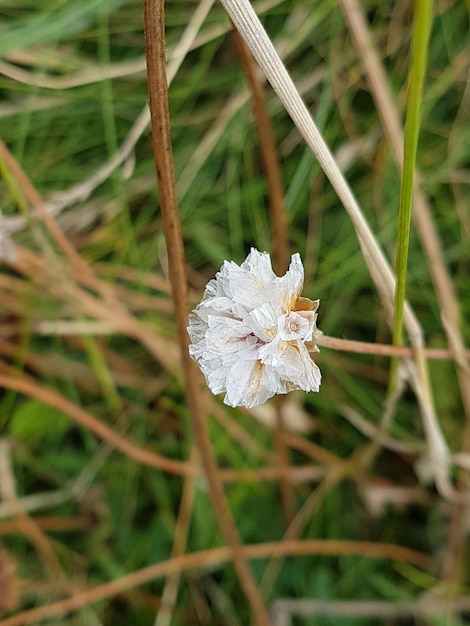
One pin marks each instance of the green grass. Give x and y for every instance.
(123, 517)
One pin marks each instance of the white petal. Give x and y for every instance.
(259, 264)
(294, 326)
(262, 322)
(245, 385)
(221, 331)
(272, 353)
(288, 288)
(197, 328)
(299, 368)
(291, 283)
(241, 286)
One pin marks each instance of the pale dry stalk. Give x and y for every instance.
(170, 591)
(425, 224)
(248, 24)
(433, 249)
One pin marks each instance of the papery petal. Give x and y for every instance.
(311, 318)
(245, 385)
(216, 378)
(292, 363)
(272, 353)
(262, 322)
(286, 289)
(221, 304)
(299, 368)
(241, 285)
(197, 328)
(294, 326)
(259, 264)
(224, 330)
(274, 383)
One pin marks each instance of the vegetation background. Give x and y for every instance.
(99, 475)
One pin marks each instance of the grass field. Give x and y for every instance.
(344, 507)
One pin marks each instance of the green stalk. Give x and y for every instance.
(419, 52)
(100, 367)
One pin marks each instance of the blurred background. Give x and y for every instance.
(89, 361)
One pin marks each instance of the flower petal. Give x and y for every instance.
(245, 385)
(287, 288)
(259, 264)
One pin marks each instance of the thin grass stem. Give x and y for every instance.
(279, 234)
(420, 40)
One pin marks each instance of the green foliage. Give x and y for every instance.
(37, 424)
(63, 118)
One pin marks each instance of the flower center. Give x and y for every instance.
(293, 326)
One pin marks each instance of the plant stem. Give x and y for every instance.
(420, 40)
(155, 52)
(279, 237)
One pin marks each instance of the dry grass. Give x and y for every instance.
(122, 478)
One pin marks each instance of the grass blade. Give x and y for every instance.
(421, 33)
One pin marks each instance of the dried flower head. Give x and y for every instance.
(252, 332)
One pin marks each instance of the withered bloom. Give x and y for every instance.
(252, 332)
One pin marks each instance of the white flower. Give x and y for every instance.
(252, 332)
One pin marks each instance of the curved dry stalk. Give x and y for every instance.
(425, 224)
(101, 430)
(429, 238)
(216, 557)
(23, 522)
(248, 24)
(246, 21)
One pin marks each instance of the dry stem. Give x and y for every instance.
(279, 236)
(429, 239)
(246, 21)
(216, 557)
(154, 21)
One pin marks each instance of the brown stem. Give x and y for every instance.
(380, 349)
(217, 557)
(155, 49)
(269, 155)
(279, 235)
(27, 387)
